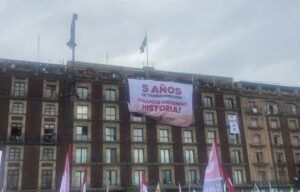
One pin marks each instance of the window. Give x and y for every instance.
(253, 122)
(111, 155)
(19, 89)
(14, 153)
(282, 175)
(111, 177)
(272, 109)
(262, 176)
(207, 102)
(138, 155)
(16, 130)
(81, 155)
(137, 118)
(279, 158)
(50, 109)
(110, 134)
(110, 113)
(187, 136)
(229, 103)
(110, 95)
(82, 92)
(167, 179)
(236, 156)
(211, 136)
(274, 124)
(46, 179)
(164, 156)
(295, 140)
(12, 179)
(256, 139)
(138, 176)
(81, 133)
(234, 138)
(79, 178)
(50, 91)
(297, 157)
(17, 108)
(49, 133)
(192, 174)
(163, 135)
(138, 134)
(82, 112)
(47, 154)
(238, 176)
(277, 140)
(290, 109)
(209, 119)
(259, 157)
(189, 156)
(293, 124)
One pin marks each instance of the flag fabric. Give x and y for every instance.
(179, 188)
(84, 181)
(143, 187)
(107, 188)
(65, 183)
(157, 188)
(256, 189)
(228, 182)
(213, 179)
(143, 45)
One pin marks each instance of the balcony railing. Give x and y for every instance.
(253, 111)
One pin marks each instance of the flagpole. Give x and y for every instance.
(147, 47)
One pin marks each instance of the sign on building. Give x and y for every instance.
(233, 124)
(168, 102)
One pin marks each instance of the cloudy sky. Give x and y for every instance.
(254, 40)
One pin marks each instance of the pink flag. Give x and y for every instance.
(65, 183)
(143, 184)
(83, 186)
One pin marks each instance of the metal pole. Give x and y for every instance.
(147, 48)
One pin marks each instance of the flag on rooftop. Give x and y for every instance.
(143, 45)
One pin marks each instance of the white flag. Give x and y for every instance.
(179, 188)
(65, 183)
(84, 182)
(157, 188)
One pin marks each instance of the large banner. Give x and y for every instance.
(233, 124)
(169, 102)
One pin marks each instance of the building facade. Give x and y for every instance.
(39, 117)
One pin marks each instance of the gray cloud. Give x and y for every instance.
(250, 39)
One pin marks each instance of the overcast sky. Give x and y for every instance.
(254, 40)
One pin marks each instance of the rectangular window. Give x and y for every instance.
(192, 176)
(138, 155)
(50, 109)
(110, 134)
(81, 133)
(137, 118)
(17, 108)
(189, 156)
(49, 133)
(14, 154)
(110, 95)
(19, 89)
(282, 176)
(167, 179)
(81, 155)
(82, 112)
(293, 124)
(229, 103)
(274, 124)
(82, 92)
(297, 157)
(211, 136)
(262, 176)
(12, 179)
(236, 156)
(111, 155)
(163, 135)
(209, 119)
(259, 157)
(46, 179)
(207, 102)
(164, 156)
(138, 134)
(110, 113)
(50, 91)
(16, 131)
(237, 176)
(187, 136)
(47, 154)
(234, 139)
(253, 122)
(138, 176)
(79, 178)
(111, 177)
(279, 158)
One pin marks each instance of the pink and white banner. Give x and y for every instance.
(169, 102)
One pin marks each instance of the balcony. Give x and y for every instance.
(255, 127)
(261, 163)
(257, 145)
(253, 111)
